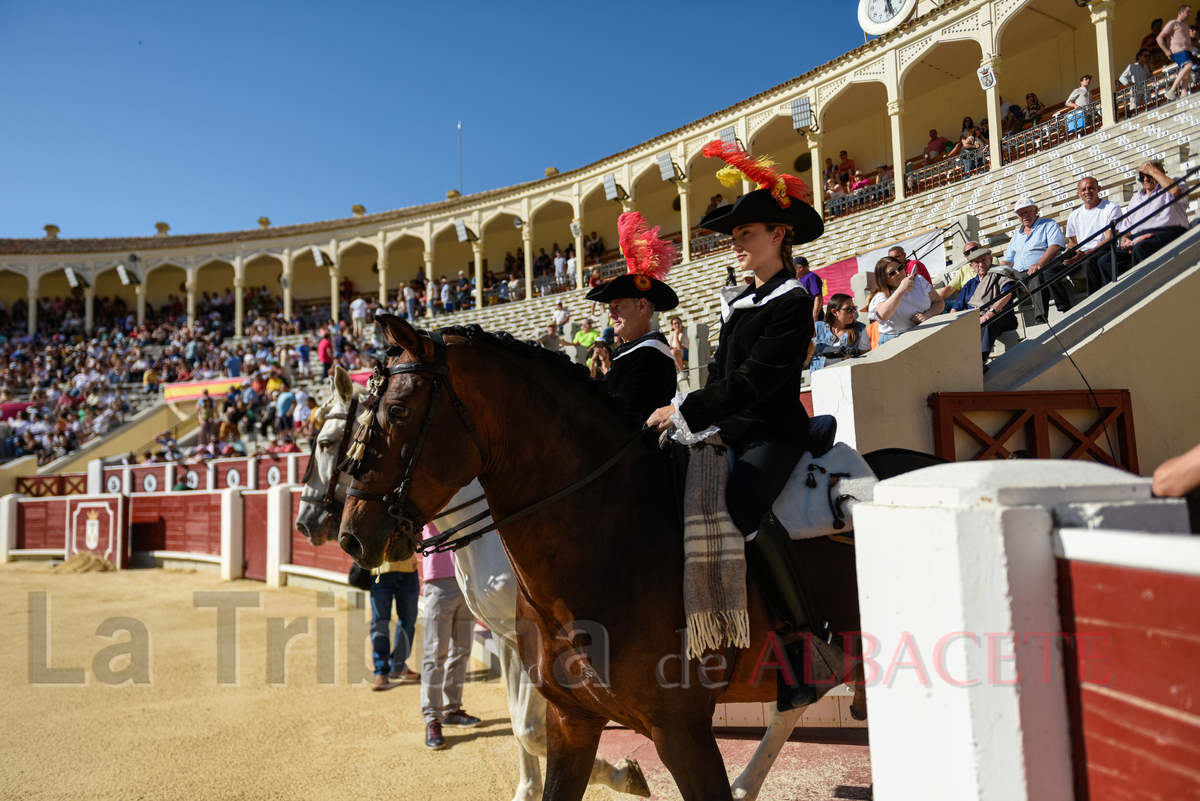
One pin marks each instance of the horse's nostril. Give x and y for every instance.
(303, 529)
(350, 545)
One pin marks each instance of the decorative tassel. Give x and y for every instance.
(730, 177)
(645, 253)
(364, 419)
(357, 452)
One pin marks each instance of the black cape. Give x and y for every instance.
(643, 378)
(753, 387)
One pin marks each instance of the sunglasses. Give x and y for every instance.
(847, 309)
(891, 273)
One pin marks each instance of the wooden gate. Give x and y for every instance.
(59, 484)
(1035, 422)
(254, 533)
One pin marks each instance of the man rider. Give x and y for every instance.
(641, 372)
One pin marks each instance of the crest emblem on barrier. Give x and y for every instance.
(91, 535)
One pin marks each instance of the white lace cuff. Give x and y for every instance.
(682, 434)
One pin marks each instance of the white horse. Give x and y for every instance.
(490, 588)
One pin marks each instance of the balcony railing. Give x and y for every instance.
(708, 244)
(1052, 133)
(946, 171)
(1147, 95)
(867, 197)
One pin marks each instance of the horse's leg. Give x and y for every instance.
(689, 750)
(571, 742)
(748, 784)
(527, 709)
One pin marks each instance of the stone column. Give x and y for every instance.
(335, 276)
(428, 258)
(1102, 12)
(287, 281)
(477, 248)
(190, 286)
(89, 307)
(814, 148)
(527, 242)
(995, 132)
(895, 111)
(685, 243)
(579, 282)
(33, 311)
(140, 289)
(382, 261)
(239, 301)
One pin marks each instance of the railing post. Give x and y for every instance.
(233, 541)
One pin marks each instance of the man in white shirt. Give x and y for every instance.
(561, 316)
(358, 315)
(1088, 227)
(447, 302)
(1138, 71)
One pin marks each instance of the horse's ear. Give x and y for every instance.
(402, 335)
(342, 385)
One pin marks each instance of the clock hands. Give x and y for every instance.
(891, 11)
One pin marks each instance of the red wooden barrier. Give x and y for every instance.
(186, 522)
(42, 523)
(114, 478)
(150, 478)
(329, 556)
(98, 524)
(232, 473)
(1133, 679)
(272, 470)
(254, 529)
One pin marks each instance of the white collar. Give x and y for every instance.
(648, 342)
(728, 294)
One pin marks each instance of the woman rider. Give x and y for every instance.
(752, 396)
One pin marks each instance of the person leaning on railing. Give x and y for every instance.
(1153, 221)
(1089, 226)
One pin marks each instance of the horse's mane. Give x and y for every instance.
(576, 374)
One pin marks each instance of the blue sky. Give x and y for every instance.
(210, 115)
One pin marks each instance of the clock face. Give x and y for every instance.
(882, 10)
(877, 17)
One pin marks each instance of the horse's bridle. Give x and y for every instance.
(409, 519)
(329, 499)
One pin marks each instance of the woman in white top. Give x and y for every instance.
(901, 302)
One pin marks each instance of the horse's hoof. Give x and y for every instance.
(854, 713)
(635, 780)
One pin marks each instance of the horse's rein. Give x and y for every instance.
(329, 499)
(404, 511)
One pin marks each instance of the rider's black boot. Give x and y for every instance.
(771, 555)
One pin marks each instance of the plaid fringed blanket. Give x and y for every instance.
(714, 570)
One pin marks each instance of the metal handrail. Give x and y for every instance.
(1062, 127)
(1149, 94)
(861, 199)
(947, 171)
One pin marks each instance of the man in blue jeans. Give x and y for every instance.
(393, 583)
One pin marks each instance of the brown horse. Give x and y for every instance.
(601, 606)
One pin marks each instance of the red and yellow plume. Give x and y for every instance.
(756, 170)
(645, 253)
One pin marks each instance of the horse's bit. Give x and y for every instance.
(329, 499)
(405, 513)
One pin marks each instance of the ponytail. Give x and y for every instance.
(785, 248)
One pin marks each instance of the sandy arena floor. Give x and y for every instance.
(187, 736)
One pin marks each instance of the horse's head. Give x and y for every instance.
(415, 433)
(318, 520)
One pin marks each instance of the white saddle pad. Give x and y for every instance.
(805, 511)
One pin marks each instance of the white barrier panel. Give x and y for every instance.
(957, 583)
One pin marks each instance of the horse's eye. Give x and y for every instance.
(396, 413)
(326, 445)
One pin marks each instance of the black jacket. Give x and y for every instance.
(753, 387)
(644, 378)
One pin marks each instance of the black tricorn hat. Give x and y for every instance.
(760, 206)
(636, 285)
